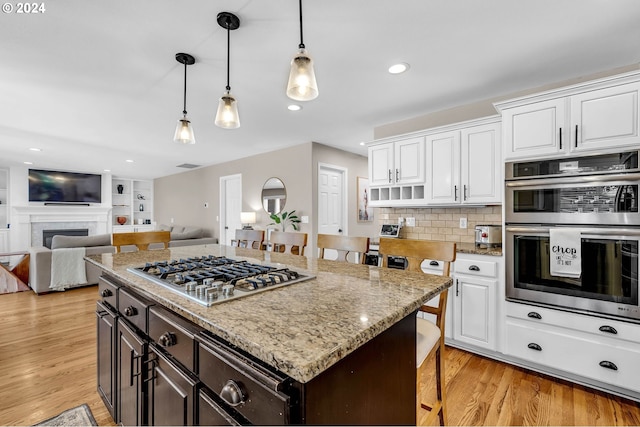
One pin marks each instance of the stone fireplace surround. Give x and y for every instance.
(30, 221)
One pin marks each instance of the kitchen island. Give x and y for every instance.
(344, 340)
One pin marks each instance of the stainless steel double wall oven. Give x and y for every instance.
(599, 196)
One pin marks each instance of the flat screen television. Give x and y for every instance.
(64, 187)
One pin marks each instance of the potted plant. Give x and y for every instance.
(284, 218)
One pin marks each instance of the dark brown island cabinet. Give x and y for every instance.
(158, 368)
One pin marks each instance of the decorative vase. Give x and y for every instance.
(122, 220)
(141, 207)
(120, 188)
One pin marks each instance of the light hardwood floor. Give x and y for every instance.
(48, 364)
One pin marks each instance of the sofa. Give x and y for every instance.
(41, 257)
(187, 236)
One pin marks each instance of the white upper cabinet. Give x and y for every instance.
(595, 116)
(605, 118)
(397, 162)
(464, 166)
(534, 130)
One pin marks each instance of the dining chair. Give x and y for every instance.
(249, 239)
(289, 243)
(344, 245)
(429, 335)
(141, 239)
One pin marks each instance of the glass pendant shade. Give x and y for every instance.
(227, 116)
(302, 84)
(184, 132)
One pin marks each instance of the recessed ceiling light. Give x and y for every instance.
(399, 68)
(362, 143)
(106, 170)
(129, 161)
(28, 163)
(35, 149)
(294, 107)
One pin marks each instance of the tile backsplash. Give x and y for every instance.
(441, 223)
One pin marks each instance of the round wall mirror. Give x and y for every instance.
(274, 196)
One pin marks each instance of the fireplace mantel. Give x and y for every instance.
(28, 221)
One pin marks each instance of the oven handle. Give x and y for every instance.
(574, 179)
(583, 230)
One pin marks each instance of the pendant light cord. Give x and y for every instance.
(301, 45)
(228, 50)
(184, 104)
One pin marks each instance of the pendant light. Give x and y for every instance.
(227, 116)
(302, 84)
(184, 131)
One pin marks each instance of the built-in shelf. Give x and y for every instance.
(132, 199)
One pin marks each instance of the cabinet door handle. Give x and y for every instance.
(389, 176)
(534, 346)
(455, 192)
(534, 315)
(608, 329)
(457, 290)
(474, 268)
(397, 175)
(608, 365)
(464, 192)
(132, 374)
(560, 137)
(576, 136)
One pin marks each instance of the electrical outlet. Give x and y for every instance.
(463, 222)
(411, 222)
(171, 220)
(400, 220)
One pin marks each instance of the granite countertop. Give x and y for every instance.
(467, 248)
(301, 329)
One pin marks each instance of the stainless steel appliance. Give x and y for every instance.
(488, 236)
(212, 280)
(597, 195)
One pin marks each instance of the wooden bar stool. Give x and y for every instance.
(289, 243)
(429, 336)
(141, 240)
(249, 239)
(344, 245)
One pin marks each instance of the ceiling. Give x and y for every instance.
(93, 84)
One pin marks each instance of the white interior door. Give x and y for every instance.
(230, 207)
(331, 202)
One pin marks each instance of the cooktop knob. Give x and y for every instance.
(227, 290)
(190, 286)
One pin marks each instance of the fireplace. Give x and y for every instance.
(47, 235)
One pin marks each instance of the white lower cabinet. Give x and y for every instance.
(475, 293)
(603, 350)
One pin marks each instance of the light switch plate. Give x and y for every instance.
(304, 219)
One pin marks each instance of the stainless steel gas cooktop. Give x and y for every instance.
(211, 280)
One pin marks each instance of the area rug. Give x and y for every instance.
(78, 416)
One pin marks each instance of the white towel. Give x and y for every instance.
(67, 268)
(565, 255)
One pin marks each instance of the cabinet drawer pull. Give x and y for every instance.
(534, 315)
(534, 346)
(130, 311)
(608, 365)
(106, 293)
(608, 329)
(232, 393)
(434, 263)
(474, 268)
